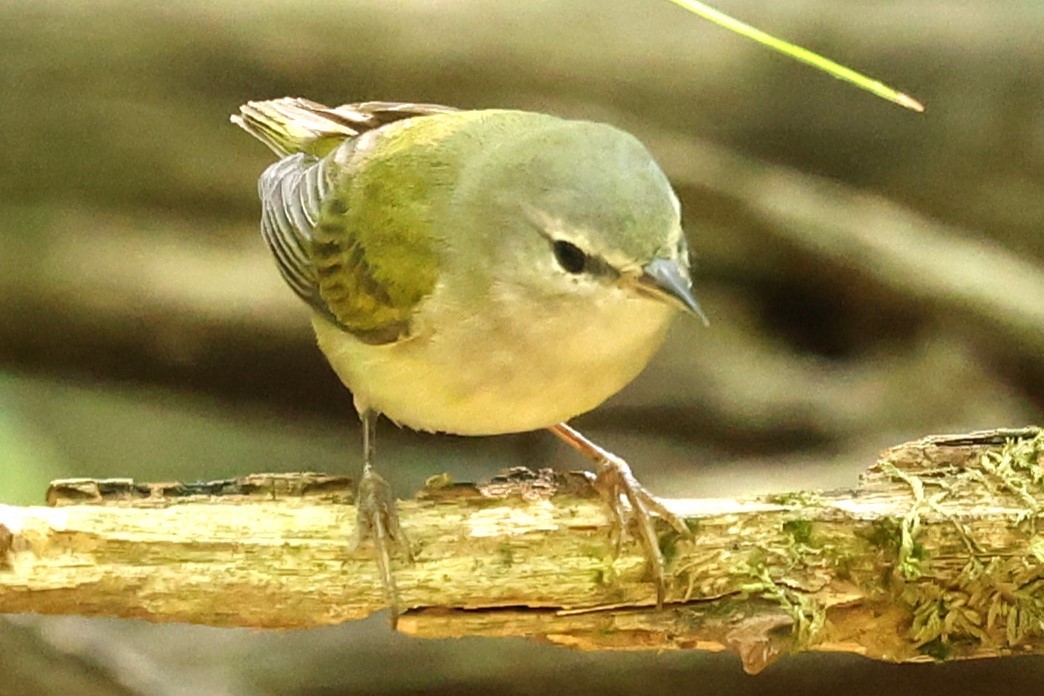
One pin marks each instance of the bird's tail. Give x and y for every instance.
(290, 125)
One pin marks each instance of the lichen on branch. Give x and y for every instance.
(935, 555)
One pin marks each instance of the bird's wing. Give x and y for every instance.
(291, 191)
(328, 248)
(379, 113)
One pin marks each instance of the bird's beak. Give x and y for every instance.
(666, 280)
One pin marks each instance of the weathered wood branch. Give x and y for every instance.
(936, 555)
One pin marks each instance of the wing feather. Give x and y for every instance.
(306, 221)
(290, 192)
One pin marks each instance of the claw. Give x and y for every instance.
(377, 519)
(628, 501)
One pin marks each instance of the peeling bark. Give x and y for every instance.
(934, 556)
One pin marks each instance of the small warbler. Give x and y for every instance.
(475, 272)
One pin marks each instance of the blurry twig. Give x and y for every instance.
(953, 272)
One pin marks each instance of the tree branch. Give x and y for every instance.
(935, 555)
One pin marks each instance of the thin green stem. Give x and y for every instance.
(802, 54)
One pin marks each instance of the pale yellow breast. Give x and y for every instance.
(465, 376)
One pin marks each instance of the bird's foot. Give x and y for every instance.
(629, 502)
(377, 519)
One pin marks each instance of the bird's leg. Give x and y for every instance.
(627, 500)
(377, 518)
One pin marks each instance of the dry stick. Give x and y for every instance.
(934, 556)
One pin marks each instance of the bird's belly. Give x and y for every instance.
(463, 383)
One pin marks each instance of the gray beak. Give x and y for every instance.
(666, 280)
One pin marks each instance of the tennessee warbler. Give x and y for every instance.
(475, 272)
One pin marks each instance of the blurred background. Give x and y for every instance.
(872, 276)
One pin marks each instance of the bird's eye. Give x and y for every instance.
(570, 257)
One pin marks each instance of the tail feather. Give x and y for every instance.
(291, 124)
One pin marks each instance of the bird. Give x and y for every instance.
(475, 272)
